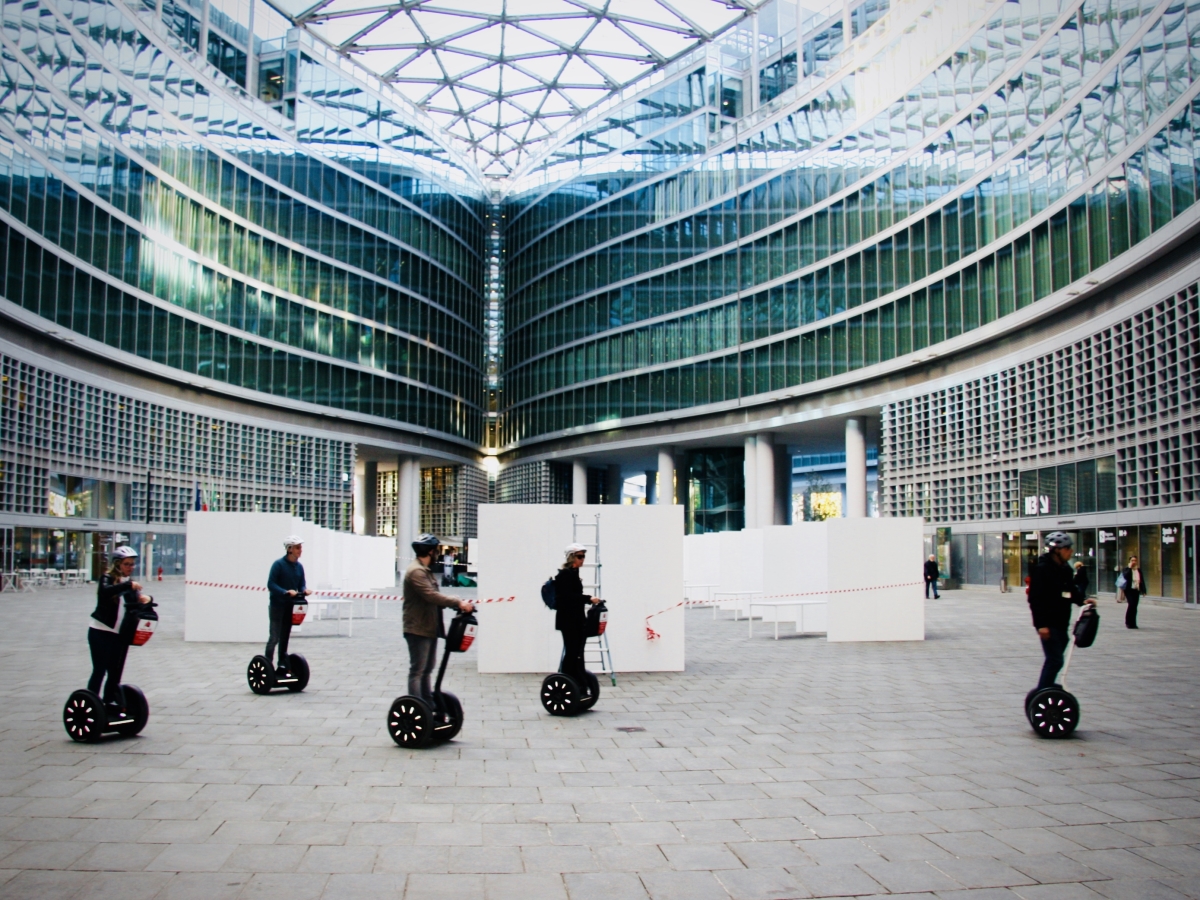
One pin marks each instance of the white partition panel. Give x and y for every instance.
(643, 573)
(741, 568)
(795, 561)
(701, 565)
(235, 552)
(875, 579)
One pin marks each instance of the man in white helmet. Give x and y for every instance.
(285, 585)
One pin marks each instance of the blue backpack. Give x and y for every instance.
(549, 595)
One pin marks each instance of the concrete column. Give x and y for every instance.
(856, 468)
(370, 493)
(203, 42)
(578, 481)
(252, 58)
(783, 486)
(765, 477)
(614, 483)
(750, 476)
(667, 492)
(407, 510)
(651, 487)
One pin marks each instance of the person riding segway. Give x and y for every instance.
(287, 589)
(123, 616)
(1051, 710)
(573, 689)
(427, 713)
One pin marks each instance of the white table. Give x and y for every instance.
(776, 604)
(736, 611)
(365, 601)
(319, 608)
(689, 586)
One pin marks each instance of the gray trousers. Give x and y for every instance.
(422, 656)
(281, 631)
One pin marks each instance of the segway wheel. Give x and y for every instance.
(454, 712)
(560, 695)
(84, 717)
(298, 666)
(137, 708)
(410, 722)
(260, 675)
(593, 686)
(1053, 713)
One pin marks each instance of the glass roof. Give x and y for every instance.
(503, 76)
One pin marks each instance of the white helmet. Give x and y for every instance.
(572, 549)
(293, 540)
(125, 552)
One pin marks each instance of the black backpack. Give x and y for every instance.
(549, 595)
(1086, 627)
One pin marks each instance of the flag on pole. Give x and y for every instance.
(199, 502)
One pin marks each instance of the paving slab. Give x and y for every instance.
(769, 770)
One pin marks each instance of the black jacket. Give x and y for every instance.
(570, 602)
(1129, 588)
(931, 570)
(1080, 578)
(110, 596)
(1051, 593)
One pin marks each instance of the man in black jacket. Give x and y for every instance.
(931, 576)
(1051, 592)
(285, 586)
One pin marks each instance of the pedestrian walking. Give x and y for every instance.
(931, 576)
(1133, 588)
(1051, 593)
(1081, 580)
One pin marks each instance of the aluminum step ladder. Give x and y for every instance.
(596, 654)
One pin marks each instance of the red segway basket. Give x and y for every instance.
(299, 611)
(461, 634)
(597, 619)
(147, 622)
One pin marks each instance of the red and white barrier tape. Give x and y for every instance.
(342, 595)
(652, 635)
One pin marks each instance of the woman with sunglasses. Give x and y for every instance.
(570, 612)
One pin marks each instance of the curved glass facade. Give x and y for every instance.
(704, 256)
(324, 250)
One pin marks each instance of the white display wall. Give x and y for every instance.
(868, 572)
(642, 574)
(796, 561)
(875, 579)
(235, 550)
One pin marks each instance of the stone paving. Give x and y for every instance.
(789, 769)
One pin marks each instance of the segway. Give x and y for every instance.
(1053, 712)
(261, 674)
(87, 718)
(415, 724)
(561, 694)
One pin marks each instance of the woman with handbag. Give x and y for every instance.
(1132, 586)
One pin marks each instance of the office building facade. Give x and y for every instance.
(259, 256)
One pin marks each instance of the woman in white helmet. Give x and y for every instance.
(570, 612)
(112, 627)
(285, 584)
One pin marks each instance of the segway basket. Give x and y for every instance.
(299, 610)
(147, 623)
